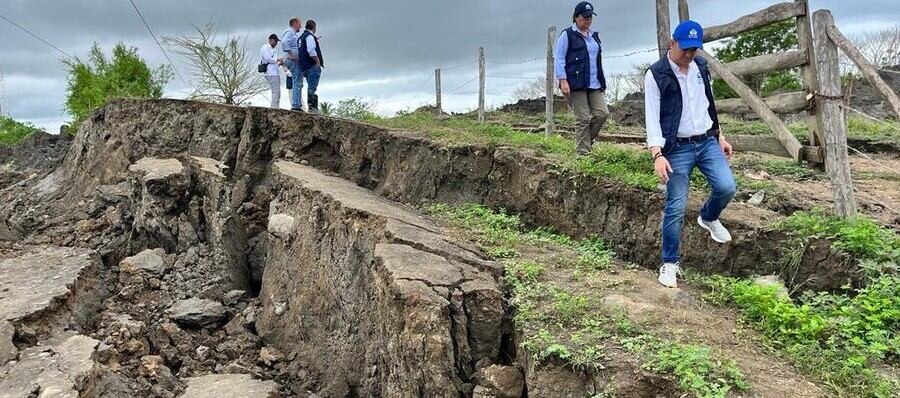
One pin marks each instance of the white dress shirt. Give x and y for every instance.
(311, 45)
(267, 55)
(695, 118)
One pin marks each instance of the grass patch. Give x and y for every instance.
(863, 238)
(858, 127)
(12, 132)
(618, 163)
(833, 337)
(559, 322)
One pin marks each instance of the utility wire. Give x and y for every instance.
(158, 43)
(36, 36)
(464, 84)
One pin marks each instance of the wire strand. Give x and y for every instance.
(166, 54)
(36, 36)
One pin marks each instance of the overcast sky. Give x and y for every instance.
(382, 51)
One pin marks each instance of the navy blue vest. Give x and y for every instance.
(578, 67)
(306, 61)
(670, 99)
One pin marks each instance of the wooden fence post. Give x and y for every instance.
(437, 91)
(684, 12)
(663, 28)
(481, 85)
(809, 74)
(865, 67)
(548, 116)
(834, 122)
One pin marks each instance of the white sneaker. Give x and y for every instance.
(668, 274)
(716, 230)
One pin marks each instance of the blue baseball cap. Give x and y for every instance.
(585, 9)
(688, 34)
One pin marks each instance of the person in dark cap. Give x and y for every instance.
(579, 70)
(683, 133)
(268, 56)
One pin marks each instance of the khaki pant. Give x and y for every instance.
(590, 114)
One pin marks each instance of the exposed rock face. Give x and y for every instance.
(373, 292)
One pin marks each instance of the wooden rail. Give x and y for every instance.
(776, 13)
(767, 63)
(787, 103)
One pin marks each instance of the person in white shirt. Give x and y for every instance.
(683, 133)
(269, 57)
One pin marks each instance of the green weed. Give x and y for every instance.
(863, 238)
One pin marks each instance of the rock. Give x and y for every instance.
(270, 356)
(757, 198)
(152, 262)
(281, 225)
(773, 280)
(229, 385)
(157, 169)
(482, 392)
(151, 366)
(35, 281)
(8, 350)
(54, 368)
(503, 381)
(196, 312)
(631, 307)
(233, 297)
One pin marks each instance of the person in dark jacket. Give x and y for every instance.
(579, 70)
(683, 133)
(311, 64)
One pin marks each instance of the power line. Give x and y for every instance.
(172, 64)
(35, 36)
(463, 85)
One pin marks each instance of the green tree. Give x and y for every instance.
(354, 108)
(12, 131)
(93, 83)
(778, 37)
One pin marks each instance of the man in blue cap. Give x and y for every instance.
(579, 70)
(683, 133)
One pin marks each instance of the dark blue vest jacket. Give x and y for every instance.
(578, 66)
(306, 61)
(670, 99)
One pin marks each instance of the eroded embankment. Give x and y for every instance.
(410, 169)
(374, 293)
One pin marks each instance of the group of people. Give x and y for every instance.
(682, 124)
(301, 59)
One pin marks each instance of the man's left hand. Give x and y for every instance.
(726, 148)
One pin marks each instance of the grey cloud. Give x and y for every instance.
(383, 50)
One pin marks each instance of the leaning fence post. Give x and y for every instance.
(548, 116)
(834, 123)
(481, 85)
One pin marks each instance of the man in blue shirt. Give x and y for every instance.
(579, 70)
(292, 60)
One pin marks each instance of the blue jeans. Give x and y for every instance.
(312, 76)
(296, 101)
(706, 155)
